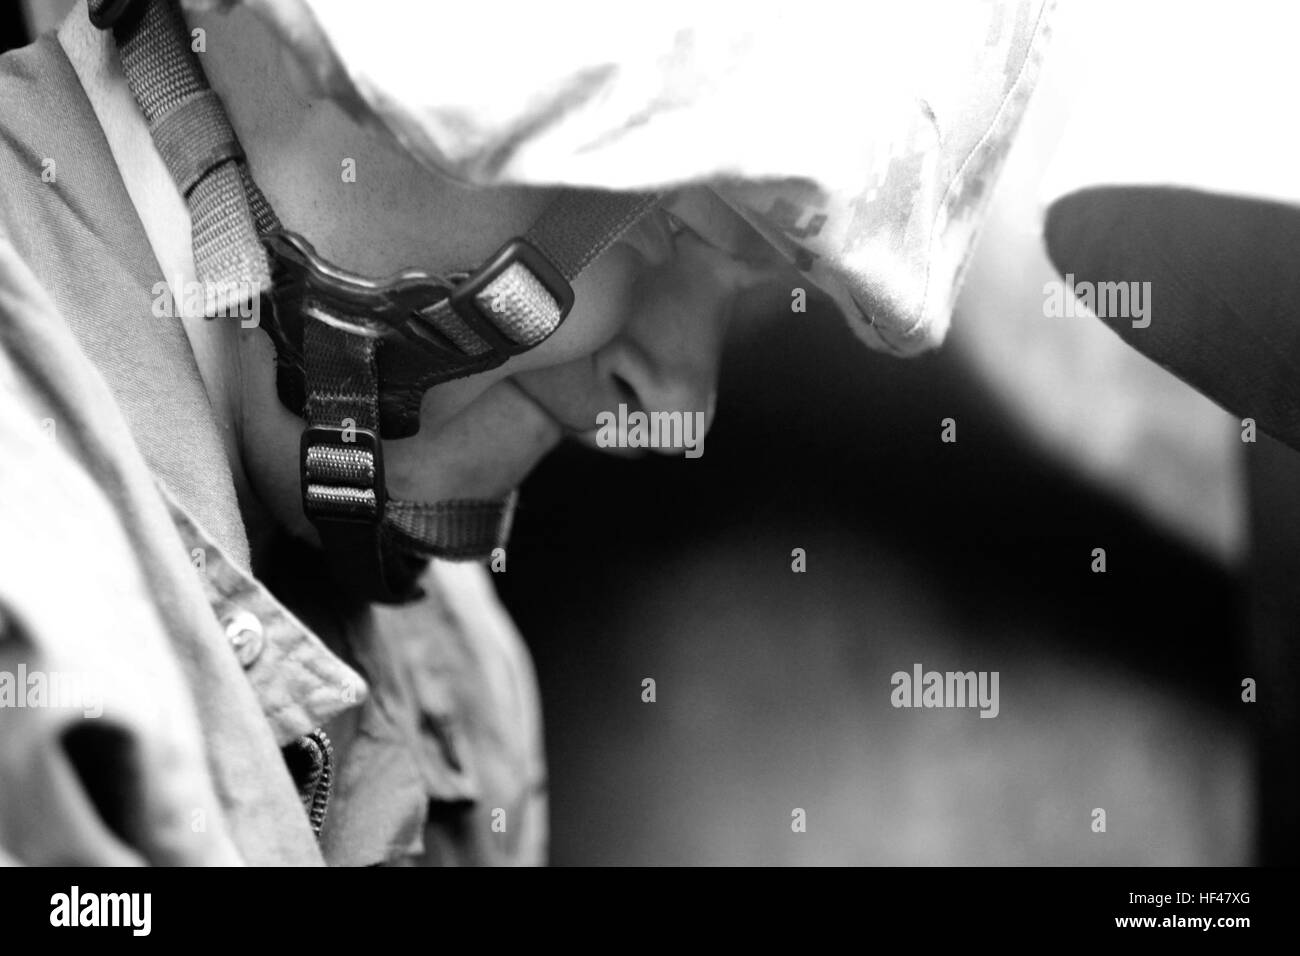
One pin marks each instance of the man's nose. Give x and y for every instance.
(654, 381)
(666, 358)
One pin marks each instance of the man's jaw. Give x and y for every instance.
(583, 433)
(484, 451)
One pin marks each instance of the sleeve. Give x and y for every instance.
(101, 761)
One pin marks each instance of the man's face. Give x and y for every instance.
(646, 331)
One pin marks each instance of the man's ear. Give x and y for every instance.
(1217, 283)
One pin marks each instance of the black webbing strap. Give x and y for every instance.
(342, 459)
(579, 224)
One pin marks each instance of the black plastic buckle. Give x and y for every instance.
(530, 257)
(347, 438)
(109, 14)
(385, 305)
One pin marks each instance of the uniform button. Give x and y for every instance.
(244, 631)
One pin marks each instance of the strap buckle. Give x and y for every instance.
(490, 295)
(344, 498)
(342, 471)
(108, 14)
(303, 280)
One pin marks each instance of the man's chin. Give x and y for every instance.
(589, 439)
(485, 451)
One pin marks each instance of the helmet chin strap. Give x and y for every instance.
(354, 354)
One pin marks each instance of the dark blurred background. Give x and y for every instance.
(1118, 690)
